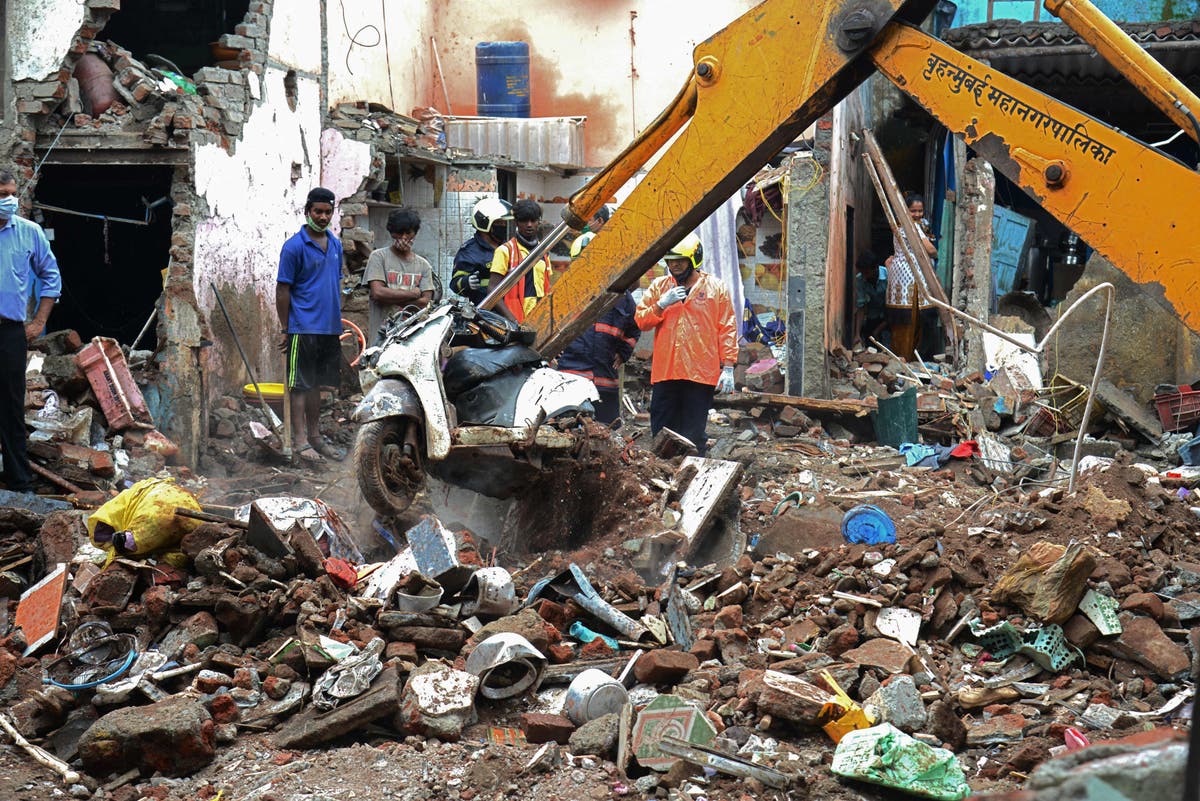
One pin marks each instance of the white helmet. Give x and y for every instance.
(489, 211)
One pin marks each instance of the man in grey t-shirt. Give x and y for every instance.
(395, 276)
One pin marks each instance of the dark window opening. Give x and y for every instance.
(183, 32)
(111, 271)
(849, 334)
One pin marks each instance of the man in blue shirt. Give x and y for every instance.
(24, 254)
(308, 300)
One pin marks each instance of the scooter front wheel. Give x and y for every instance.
(388, 477)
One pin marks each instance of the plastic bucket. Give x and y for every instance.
(502, 79)
(594, 694)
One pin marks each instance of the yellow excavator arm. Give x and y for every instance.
(758, 83)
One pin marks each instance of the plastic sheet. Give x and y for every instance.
(1048, 581)
(147, 512)
(868, 525)
(886, 756)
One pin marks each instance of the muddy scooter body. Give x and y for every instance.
(457, 393)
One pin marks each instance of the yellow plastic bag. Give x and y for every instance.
(844, 714)
(142, 520)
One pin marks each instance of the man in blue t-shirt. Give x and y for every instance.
(308, 300)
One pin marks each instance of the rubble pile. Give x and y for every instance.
(983, 631)
(91, 431)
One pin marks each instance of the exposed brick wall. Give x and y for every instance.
(216, 114)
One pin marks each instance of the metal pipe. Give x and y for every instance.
(1141, 69)
(515, 274)
(271, 417)
(437, 59)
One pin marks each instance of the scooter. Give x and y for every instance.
(456, 392)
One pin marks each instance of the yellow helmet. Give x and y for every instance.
(688, 248)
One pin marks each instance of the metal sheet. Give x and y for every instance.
(553, 141)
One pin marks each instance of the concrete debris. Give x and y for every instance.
(725, 582)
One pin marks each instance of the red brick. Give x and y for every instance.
(401, 650)
(596, 649)
(1144, 642)
(705, 649)
(542, 728)
(730, 617)
(555, 614)
(664, 667)
(224, 709)
(1145, 602)
(560, 653)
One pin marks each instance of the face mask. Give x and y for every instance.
(8, 207)
(320, 229)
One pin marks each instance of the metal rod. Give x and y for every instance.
(515, 274)
(145, 328)
(105, 217)
(437, 59)
(271, 417)
(1040, 347)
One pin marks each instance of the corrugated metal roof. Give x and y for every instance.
(553, 141)
(1050, 52)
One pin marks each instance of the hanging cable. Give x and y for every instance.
(354, 42)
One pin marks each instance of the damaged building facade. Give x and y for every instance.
(167, 149)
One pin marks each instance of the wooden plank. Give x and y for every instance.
(852, 406)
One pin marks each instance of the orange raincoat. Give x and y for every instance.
(694, 339)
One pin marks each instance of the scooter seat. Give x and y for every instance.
(470, 367)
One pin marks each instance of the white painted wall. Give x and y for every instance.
(41, 32)
(296, 35)
(362, 48)
(580, 53)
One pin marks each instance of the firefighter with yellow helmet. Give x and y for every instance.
(695, 342)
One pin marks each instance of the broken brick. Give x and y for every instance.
(543, 728)
(664, 667)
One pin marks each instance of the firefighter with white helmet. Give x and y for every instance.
(472, 263)
(695, 342)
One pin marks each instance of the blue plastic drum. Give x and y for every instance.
(502, 79)
(868, 525)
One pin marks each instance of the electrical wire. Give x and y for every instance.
(354, 42)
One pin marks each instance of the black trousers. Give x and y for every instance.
(17, 476)
(682, 406)
(608, 408)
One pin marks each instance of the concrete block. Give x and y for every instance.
(311, 727)
(899, 703)
(173, 736)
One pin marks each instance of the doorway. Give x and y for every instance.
(110, 229)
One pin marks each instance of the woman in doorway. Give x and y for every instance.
(908, 310)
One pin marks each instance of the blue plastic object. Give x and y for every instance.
(868, 525)
(502, 79)
(584, 634)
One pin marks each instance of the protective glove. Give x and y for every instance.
(473, 281)
(725, 382)
(674, 295)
